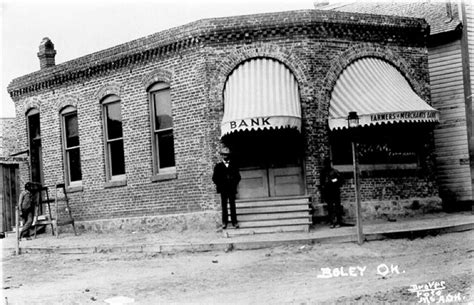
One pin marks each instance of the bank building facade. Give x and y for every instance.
(135, 130)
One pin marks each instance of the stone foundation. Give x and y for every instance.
(376, 209)
(199, 221)
(372, 210)
(210, 220)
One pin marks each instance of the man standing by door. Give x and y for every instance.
(226, 177)
(333, 181)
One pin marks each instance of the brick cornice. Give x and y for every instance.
(250, 28)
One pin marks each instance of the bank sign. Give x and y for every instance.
(253, 122)
(387, 117)
(403, 116)
(260, 123)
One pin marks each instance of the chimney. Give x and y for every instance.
(46, 53)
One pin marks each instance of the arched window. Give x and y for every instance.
(34, 143)
(162, 129)
(71, 146)
(113, 138)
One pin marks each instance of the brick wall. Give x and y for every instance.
(197, 58)
(140, 197)
(7, 137)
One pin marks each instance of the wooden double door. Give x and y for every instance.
(271, 182)
(270, 163)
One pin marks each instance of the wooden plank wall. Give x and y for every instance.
(3, 199)
(9, 193)
(470, 38)
(451, 139)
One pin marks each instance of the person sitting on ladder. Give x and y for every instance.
(27, 207)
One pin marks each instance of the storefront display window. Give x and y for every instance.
(390, 144)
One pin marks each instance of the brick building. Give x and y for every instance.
(450, 50)
(134, 130)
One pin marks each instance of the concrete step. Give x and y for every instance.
(271, 216)
(272, 202)
(276, 222)
(262, 230)
(271, 209)
(275, 208)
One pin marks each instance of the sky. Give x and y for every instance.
(78, 28)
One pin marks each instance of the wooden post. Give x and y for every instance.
(355, 161)
(17, 228)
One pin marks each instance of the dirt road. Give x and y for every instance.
(382, 271)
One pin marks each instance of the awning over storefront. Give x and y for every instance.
(261, 94)
(379, 93)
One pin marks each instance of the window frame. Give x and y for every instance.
(382, 166)
(32, 112)
(68, 111)
(112, 180)
(160, 173)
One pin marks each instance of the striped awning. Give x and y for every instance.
(261, 94)
(379, 94)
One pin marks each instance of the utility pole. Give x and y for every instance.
(353, 124)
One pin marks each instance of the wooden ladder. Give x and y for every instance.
(56, 221)
(43, 199)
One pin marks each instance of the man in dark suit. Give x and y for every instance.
(333, 181)
(226, 177)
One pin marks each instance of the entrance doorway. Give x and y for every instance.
(270, 162)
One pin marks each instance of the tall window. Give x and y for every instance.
(34, 141)
(114, 153)
(71, 146)
(162, 127)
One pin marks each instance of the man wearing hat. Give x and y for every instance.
(226, 177)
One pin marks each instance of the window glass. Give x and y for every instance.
(72, 130)
(34, 126)
(114, 120)
(397, 144)
(163, 153)
(74, 161)
(34, 133)
(162, 101)
(71, 145)
(165, 140)
(117, 158)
